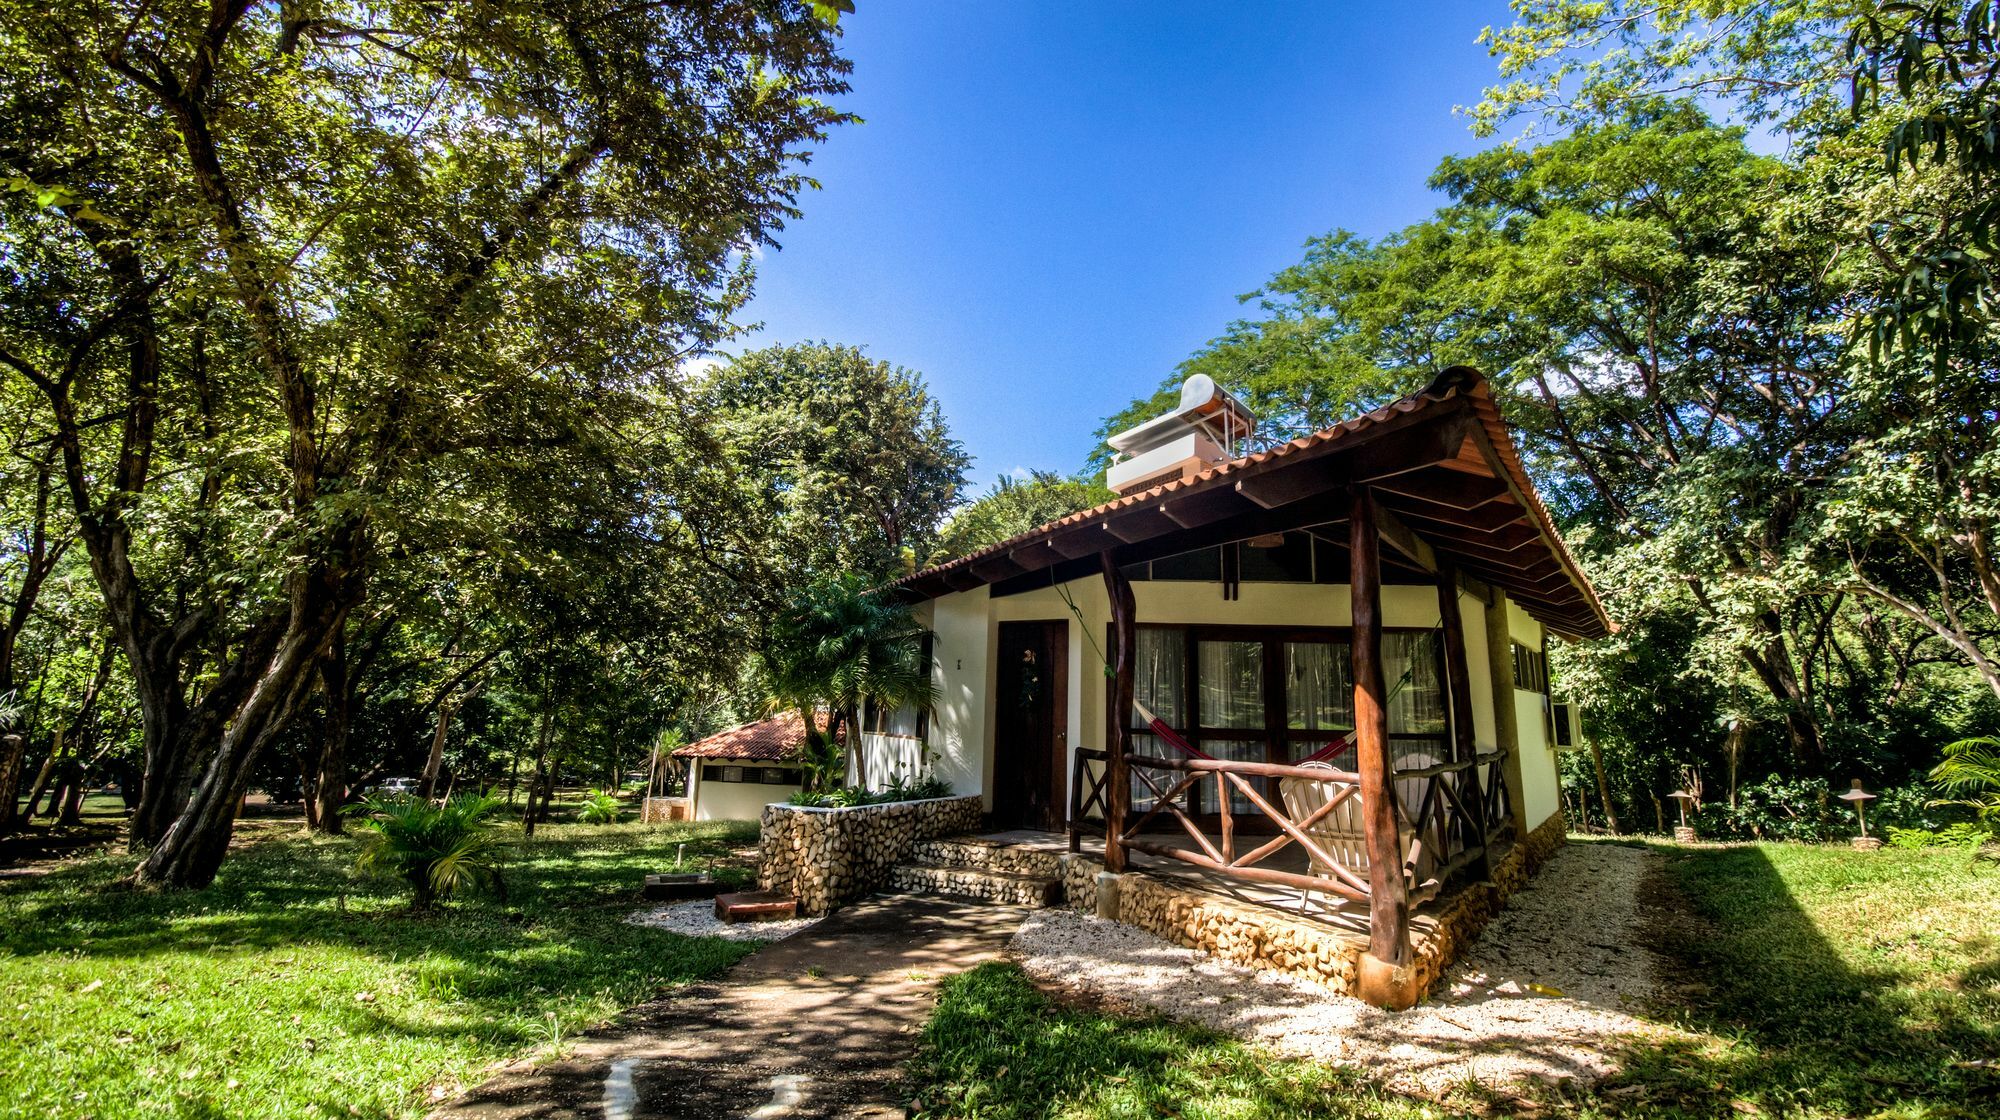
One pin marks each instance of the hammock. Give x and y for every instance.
(1173, 739)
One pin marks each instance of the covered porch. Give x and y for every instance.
(1332, 802)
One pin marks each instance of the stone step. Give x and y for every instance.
(986, 855)
(755, 906)
(1013, 887)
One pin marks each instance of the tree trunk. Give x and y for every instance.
(71, 813)
(51, 766)
(857, 750)
(13, 752)
(434, 762)
(330, 783)
(528, 816)
(193, 846)
(1603, 786)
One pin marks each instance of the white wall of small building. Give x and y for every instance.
(715, 800)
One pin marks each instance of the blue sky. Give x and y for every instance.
(1049, 205)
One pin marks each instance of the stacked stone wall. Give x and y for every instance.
(1265, 938)
(827, 858)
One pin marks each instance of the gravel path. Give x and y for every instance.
(697, 919)
(1545, 993)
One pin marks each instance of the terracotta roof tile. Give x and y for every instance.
(778, 739)
(1457, 383)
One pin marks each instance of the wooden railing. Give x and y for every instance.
(1458, 813)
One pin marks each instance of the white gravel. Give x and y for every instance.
(1571, 934)
(697, 919)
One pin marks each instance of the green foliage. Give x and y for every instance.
(898, 789)
(839, 646)
(289, 990)
(1961, 835)
(1930, 69)
(438, 848)
(831, 462)
(1970, 772)
(599, 807)
(366, 296)
(1012, 507)
(1777, 808)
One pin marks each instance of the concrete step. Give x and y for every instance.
(986, 855)
(1014, 887)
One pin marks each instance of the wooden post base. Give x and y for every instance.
(1390, 987)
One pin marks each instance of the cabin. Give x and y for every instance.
(1315, 670)
(733, 774)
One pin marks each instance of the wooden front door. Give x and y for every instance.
(1031, 727)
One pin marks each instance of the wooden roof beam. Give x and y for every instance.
(1454, 489)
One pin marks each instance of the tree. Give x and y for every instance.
(840, 646)
(828, 461)
(287, 276)
(1012, 507)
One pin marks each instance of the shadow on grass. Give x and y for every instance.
(1799, 1024)
(480, 967)
(999, 1048)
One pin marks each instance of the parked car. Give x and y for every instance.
(394, 787)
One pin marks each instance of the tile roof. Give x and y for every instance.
(778, 739)
(1459, 386)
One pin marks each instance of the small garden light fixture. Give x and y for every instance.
(1684, 833)
(1859, 798)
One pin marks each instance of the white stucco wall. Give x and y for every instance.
(1541, 793)
(961, 651)
(731, 801)
(967, 635)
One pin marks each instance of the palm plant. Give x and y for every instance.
(1970, 772)
(437, 847)
(599, 807)
(840, 646)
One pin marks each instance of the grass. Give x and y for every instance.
(292, 988)
(1814, 982)
(998, 1049)
(1823, 982)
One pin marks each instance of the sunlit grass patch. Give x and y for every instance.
(294, 988)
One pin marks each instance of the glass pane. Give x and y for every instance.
(1160, 675)
(1319, 689)
(1234, 750)
(1231, 677)
(1416, 696)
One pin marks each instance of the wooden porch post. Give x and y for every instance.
(1124, 658)
(1385, 977)
(1464, 747)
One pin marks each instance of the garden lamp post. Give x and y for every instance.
(1859, 798)
(1684, 832)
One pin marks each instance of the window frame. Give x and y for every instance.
(1278, 737)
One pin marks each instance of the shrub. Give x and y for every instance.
(848, 797)
(438, 848)
(1776, 808)
(599, 807)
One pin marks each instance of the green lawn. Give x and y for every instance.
(1830, 983)
(1821, 983)
(291, 988)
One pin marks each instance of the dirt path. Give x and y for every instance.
(1548, 992)
(817, 1025)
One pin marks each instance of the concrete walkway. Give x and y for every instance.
(817, 1025)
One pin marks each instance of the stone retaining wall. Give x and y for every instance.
(1265, 938)
(829, 857)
